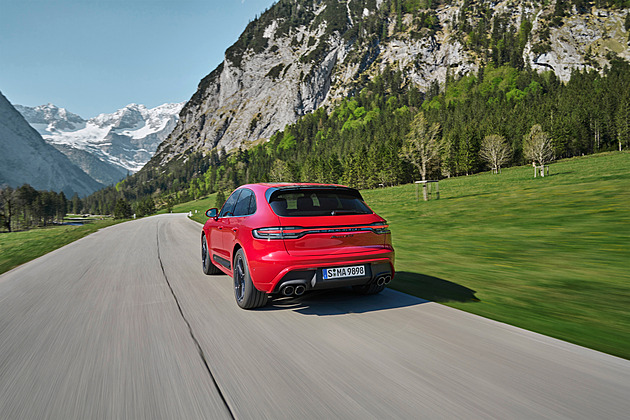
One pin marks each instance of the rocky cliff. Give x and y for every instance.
(301, 55)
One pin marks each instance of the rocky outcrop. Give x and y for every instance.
(584, 41)
(279, 71)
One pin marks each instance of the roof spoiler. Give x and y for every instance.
(273, 192)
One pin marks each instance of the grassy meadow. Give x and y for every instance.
(19, 247)
(200, 206)
(551, 254)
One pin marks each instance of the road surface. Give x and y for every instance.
(123, 324)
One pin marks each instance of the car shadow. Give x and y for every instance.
(345, 301)
(433, 288)
(342, 301)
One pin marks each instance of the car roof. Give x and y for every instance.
(293, 184)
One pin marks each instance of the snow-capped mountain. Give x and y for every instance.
(126, 139)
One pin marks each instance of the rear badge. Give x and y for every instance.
(341, 236)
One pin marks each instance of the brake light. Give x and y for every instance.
(381, 228)
(296, 232)
(277, 233)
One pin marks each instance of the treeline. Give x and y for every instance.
(25, 207)
(359, 141)
(150, 188)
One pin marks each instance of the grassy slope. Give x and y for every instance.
(19, 247)
(200, 206)
(548, 254)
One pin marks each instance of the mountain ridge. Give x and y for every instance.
(28, 159)
(119, 143)
(301, 55)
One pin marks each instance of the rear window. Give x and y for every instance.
(318, 203)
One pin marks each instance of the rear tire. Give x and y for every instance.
(247, 296)
(369, 289)
(206, 263)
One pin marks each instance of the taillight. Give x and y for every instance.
(296, 232)
(277, 233)
(380, 228)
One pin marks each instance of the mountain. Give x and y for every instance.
(103, 172)
(118, 143)
(27, 158)
(301, 55)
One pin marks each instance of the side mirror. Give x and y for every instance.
(212, 213)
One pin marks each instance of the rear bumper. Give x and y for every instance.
(272, 271)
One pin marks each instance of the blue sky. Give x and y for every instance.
(96, 56)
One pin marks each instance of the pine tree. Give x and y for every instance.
(122, 209)
(220, 199)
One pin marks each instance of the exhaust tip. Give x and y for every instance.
(380, 281)
(299, 290)
(388, 279)
(287, 290)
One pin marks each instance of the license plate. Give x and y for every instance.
(339, 272)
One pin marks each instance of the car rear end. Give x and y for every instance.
(331, 238)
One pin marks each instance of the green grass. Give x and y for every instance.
(19, 247)
(200, 206)
(551, 255)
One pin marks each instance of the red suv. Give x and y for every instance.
(286, 239)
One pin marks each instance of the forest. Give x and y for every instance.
(359, 141)
(25, 207)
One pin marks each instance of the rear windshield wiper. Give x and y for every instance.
(338, 212)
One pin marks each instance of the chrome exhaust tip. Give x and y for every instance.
(288, 290)
(388, 279)
(380, 281)
(299, 290)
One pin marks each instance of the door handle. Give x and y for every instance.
(234, 230)
(220, 227)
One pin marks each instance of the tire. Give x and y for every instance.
(369, 289)
(206, 263)
(246, 295)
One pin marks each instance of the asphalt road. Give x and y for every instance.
(123, 324)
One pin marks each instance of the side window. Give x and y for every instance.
(228, 208)
(252, 204)
(244, 203)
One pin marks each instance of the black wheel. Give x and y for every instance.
(208, 267)
(247, 296)
(369, 289)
